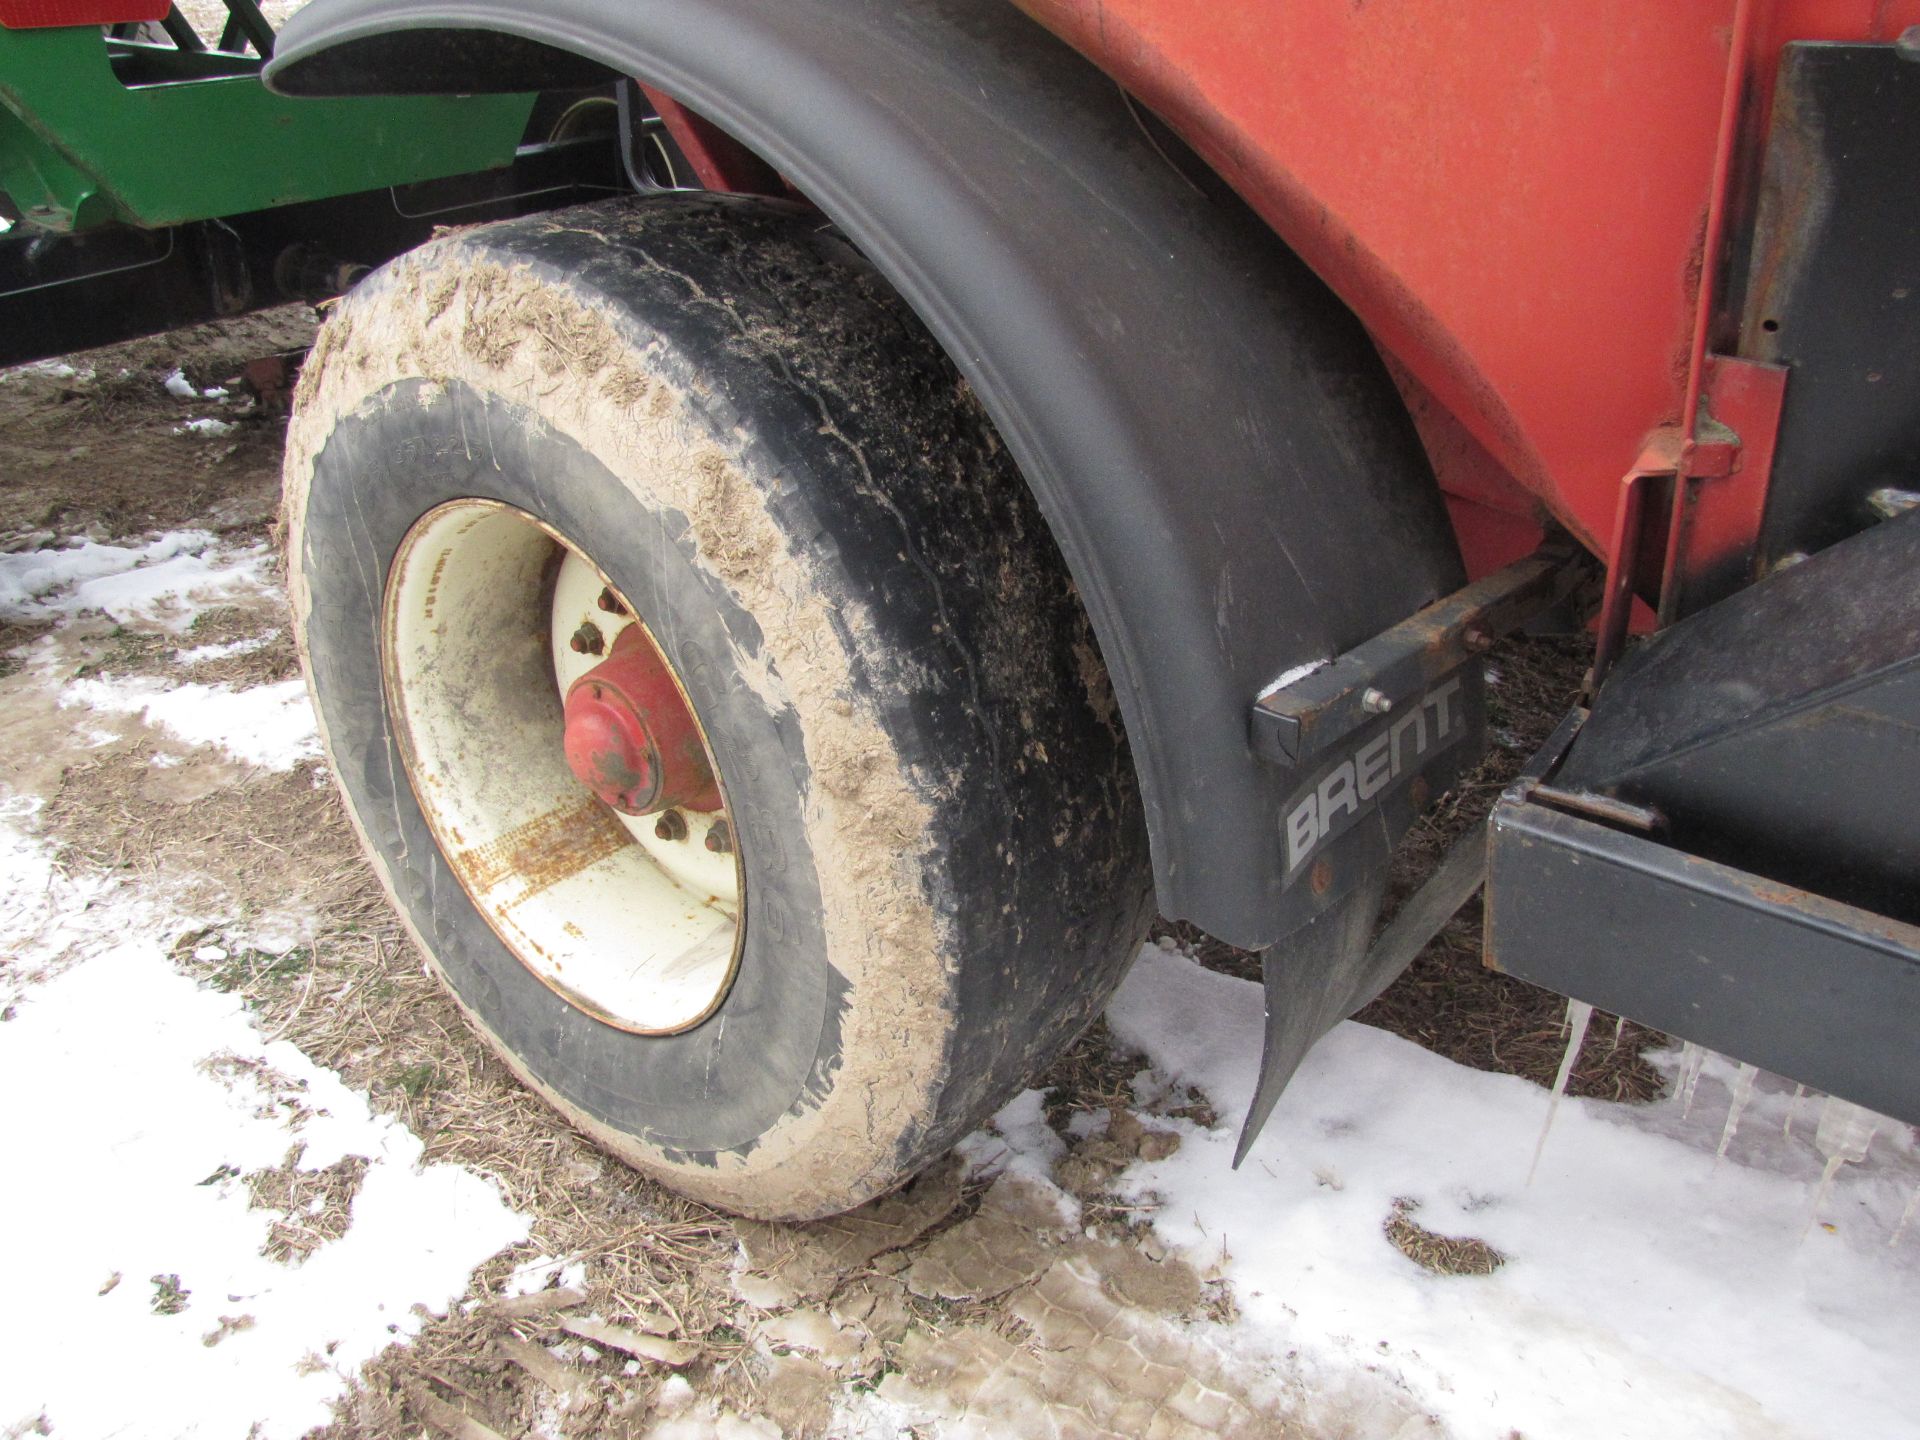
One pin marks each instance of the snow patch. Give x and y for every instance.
(45, 910)
(165, 580)
(1641, 1283)
(181, 388)
(144, 1253)
(206, 426)
(1017, 1141)
(1293, 676)
(271, 726)
(200, 654)
(543, 1272)
(46, 369)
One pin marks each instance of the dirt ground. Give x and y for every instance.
(947, 1298)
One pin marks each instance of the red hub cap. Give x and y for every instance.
(630, 737)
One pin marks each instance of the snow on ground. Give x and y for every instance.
(167, 582)
(207, 426)
(164, 581)
(1647, 1291)
(271, 726)
(44, 912)
(138, 1101)
(141, 1303)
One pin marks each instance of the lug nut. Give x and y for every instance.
(588, 640)
(720, 838)
(610, 602)
(671, 826)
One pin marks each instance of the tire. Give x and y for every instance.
(717, 407)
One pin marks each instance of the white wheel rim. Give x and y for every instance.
(638, 929)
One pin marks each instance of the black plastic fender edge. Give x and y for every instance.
(1233, 480)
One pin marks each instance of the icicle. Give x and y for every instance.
(1834, 1162)
(1913, 1203)
(1742, 1092)
(1845, 1130)
(1578, 1014)
(1692, 1058)
(1619, 1024)
(1786, 1130)
(1843, 1135)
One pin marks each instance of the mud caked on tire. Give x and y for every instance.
(930, 866)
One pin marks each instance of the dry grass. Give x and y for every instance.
(1092, 1075)
(266, 663)
(250, 630)
(99, 455)
(315, 1206)
(1441, 1254)
(168, 1296)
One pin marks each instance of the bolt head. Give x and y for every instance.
(1375, 701)
(588, 640)
(671, 825)
(720, 838)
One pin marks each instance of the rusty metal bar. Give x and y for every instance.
(1293, 724)
(1739, 48)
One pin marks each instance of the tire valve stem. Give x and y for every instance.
(671, 826)
(611, 603)
(720, 838)
(588, 640)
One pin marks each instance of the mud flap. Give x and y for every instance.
(1311, 978)
(1327, 969)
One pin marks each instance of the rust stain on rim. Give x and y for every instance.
(546, 850)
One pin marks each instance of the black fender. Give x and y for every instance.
(1223, 459)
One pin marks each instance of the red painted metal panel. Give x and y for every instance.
(719, 161)
(1513, 195)
(46, 14)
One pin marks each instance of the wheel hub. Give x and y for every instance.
(631, 739)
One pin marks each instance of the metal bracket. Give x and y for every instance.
(1805, 986)
(1296, 722)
